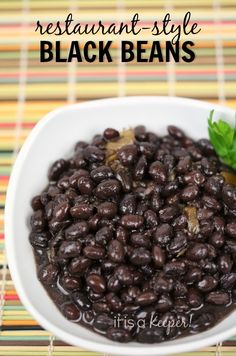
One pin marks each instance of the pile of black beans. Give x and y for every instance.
(150, 232)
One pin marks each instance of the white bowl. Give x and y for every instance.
(54, 137)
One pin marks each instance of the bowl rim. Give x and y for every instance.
(117, 348)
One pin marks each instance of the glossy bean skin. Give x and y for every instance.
(94, 252)
(158, 256)
(111, 134)
(131, 221)
(127, 154)
(158, 172)
(116, 251)
(140, 256)
(107, 189)
(97, 283)
(133, 225)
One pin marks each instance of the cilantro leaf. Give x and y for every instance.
(223, 139)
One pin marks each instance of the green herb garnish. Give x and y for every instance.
(223, 139)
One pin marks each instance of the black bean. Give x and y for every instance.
(140, 256)
(53, 191)
(193, 275)
(180, 222)
(71, 312)
(81, 300)
(73, 180)
(81, 211)
(194, 298)
(39, 239)
(164, 303)
(127, 154)
(79, 265)
(114, 302)
(218, 298)
(207, 284)
(229, 196)
(217, 239)
(71, 283)
(147, 149)
(175, 132)
(158, 172)
(94, 252)
(139, 239)
(140, 168)
(116, 252)
(178, 244)
(231, 229)
(77, 230)
(168, 213)
(159, 256)
(124, 274)
(231, 246)
(228, 281)
(102, 322)
(103, 235)
(211, 203)
(113, 284)
(213, 185)
(194, 177)
(107, 210)
(128, 204)
(107, 189)
(96, 282)
(202, 321)
(151, 335)
(180, 289)
(124, 177)
(98, 141)
(183, 165)
(55, 226)
(205, 146)
(101, 173)
(122, 235)
(111, 134)
(93, 154)
(189, 193)
(145, 298)
(118, 334)
(79, 159)
(85, 185)
(162, 284)
(61, 211)
(170, 188)
(156, 202)
(131, 221)
(150, 218)
(48, 274)
(175, 268)
(57, 169)
(36, 203)
(37, 221)
(163, 234)
(225, 263)
(140, 133)
(69, 249)
(195, 153)
(204, 213)
(197, 251)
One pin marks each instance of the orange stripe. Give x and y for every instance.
(19, 322)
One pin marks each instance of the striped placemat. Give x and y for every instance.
(28, 90)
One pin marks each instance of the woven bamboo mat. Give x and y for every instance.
(29, 90)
